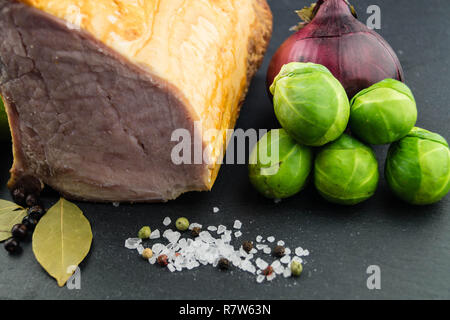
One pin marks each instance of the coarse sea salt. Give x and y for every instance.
(221, 229)
(155, 234)
(206, 249)
(132, 243)
(285, 259)
(216, 209)
(167, 221)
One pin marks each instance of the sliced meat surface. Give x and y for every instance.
(92, 123)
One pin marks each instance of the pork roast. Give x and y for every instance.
(94, 90)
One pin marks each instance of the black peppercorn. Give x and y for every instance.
(223, 264)
(31, 200)
(36, 212)
(18, 195)
(196, 231)
(247, 246)
(12, 246)
(19, 231)
(29, 222)
(278, 251)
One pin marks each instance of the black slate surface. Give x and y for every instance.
(410, 244)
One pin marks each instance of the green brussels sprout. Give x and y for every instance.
(346, 171)
(383, 113)
(310, 103)
(279, 167)
(417, 167)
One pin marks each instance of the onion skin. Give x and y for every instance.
(357, 56)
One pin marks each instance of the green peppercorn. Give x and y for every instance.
(145, 232)
(296, 268)
(182, 224)
(196, 231)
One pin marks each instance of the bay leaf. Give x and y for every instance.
(61, 240)
(10, 214)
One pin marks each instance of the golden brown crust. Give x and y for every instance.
(257, 47)
(262, 32)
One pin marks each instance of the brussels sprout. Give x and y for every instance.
(279, 167)
(310, 103)
(383, 113)
(346, 171)
(418, 167)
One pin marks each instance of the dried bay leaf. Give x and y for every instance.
(61, 240)
(10, 214)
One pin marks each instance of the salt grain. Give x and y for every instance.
(221, 229)
(237, 234)
(166, 221)
(260, 278)
(261, 264)
(212, 228)
(267, 250)
(271, 239)
(276, 264)
(171, 267)
(260, 246)
(237, 224)
(258, 238)
(215, 210)
(299, 251)
(155, 234)
(287, 272)
(280, 243)
(132, 243)
(195, 225)
(286, 259)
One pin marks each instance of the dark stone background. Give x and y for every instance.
(410, 244)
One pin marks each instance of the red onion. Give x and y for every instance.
(357, 56)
